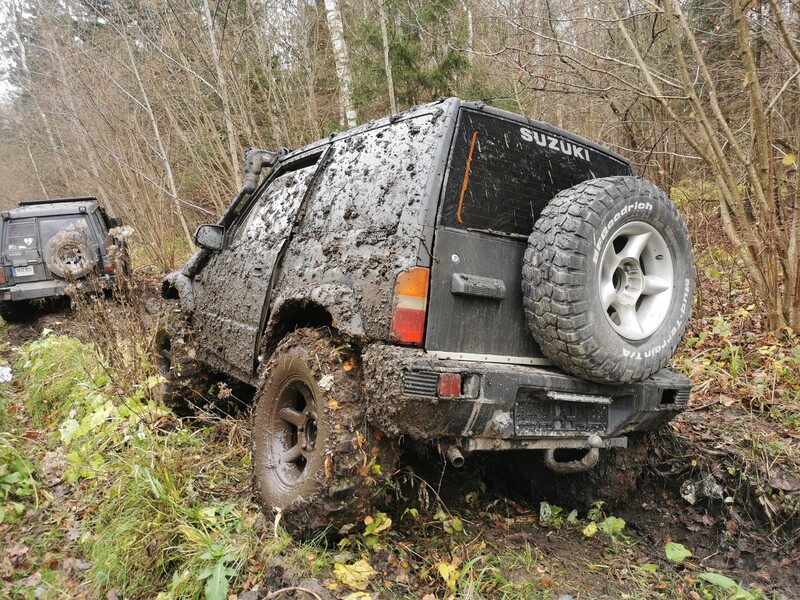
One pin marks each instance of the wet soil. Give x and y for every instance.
(732, 538)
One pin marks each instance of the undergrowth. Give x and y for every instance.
(118, 498)
(747, 385)
(105, 493)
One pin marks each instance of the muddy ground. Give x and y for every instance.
(731, 536)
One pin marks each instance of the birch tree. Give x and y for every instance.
(342, 59)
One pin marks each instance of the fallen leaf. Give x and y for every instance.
(781, 480)
(31, 580)
(356, 575)
(18, 550)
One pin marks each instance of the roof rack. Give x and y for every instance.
(57, 200)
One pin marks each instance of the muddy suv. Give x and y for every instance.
(455, 277)
(48, 244)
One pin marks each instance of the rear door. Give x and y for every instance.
(501, 175)
(231, 290)
(25, 241)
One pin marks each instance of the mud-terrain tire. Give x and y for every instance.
(315, 459)
(67, 255)
(608, 279)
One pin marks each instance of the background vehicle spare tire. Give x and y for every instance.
(608, 279)
(67, 255)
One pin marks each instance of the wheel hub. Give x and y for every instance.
(628, 282)
(636, 280)
(293, 433)
(307, 433)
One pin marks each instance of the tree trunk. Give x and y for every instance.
(222, 89)
(342, 60)
(386, 62)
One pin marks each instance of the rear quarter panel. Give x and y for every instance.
(364, 224)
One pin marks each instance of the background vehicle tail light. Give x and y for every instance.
(410, 306)
(2, 275)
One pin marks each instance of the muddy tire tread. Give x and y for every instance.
(350, 490)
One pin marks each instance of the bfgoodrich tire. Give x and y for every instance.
(315, 460)
(608, 279)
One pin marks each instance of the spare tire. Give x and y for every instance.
(67, 255)
(608, 279)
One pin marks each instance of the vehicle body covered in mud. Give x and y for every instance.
(49, 244)
(488, 281)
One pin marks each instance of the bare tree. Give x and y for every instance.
(342, 59)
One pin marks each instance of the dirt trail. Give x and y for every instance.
(731, 536)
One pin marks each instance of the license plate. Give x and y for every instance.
(23, 271)
(548, 417)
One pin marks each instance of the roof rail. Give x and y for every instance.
(56, 200)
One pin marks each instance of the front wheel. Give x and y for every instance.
(315, 460)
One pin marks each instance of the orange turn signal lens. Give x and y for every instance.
(410, 306)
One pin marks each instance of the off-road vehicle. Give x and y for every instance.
(49, 244)
(455, 276)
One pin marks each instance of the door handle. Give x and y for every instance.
(465, 284)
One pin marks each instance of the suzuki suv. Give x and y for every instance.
(49, 244)
(456, 277)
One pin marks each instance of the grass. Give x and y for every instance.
(111, 494)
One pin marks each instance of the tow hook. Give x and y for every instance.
(575, 466)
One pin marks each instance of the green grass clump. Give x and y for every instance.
(168, 535)
(162, 515)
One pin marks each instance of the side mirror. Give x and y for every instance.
(114, 222)
(210, 237)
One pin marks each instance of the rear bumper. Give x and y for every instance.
(503, 407)
(50, 288)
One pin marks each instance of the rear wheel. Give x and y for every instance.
(315, 460)
(12, 311)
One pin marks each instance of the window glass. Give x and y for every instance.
(271, 216)
(50, 226)
(21, 235)
(503, 173)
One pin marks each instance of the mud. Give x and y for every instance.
(723, 539)
(332, 234)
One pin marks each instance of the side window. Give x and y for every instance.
(272, 214)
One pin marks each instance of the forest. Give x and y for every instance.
(150, 105)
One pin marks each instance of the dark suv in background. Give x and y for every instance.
(454, 277)
(50, 244)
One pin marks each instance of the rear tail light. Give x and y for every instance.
(2, 275)
(410, 306)
(108, 268)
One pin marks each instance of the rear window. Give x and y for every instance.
(503, 173)
(50, 226)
